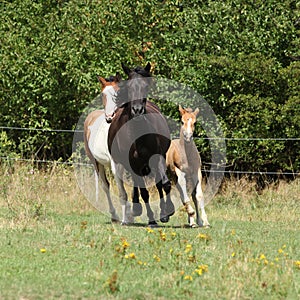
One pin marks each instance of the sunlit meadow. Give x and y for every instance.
(54, 244)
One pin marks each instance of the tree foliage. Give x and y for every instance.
(241, 56)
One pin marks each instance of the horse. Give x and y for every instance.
(96, 128)
(138, 139)
(183, 160)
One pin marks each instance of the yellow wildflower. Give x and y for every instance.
(149, 230)
(297, 264)
(233, 254)
(188, 248)
(157, 258)
(43, 250)
(280, 251)
(199, 271)
(130, 255)
(125, 244)
(203, 236)
(204, 268)
(262, 256)
(188, 277)
(163, 236)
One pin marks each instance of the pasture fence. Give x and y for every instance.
(205, 170)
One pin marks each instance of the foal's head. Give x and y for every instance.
(109, 94)
(188, 120)
(139, 82)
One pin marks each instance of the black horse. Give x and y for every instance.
(139, 139)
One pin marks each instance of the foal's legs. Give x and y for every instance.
(198, 199)
(105, 186)
(181, 186)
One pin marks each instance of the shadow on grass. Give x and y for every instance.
(145, 225)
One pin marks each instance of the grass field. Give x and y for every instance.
(54, 244)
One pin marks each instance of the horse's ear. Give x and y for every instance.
(148, 67)
(102, 80)
(196, 112)
(125, 69)
(118, 77)
(181, 110)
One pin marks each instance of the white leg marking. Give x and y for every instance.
(200, 200)
(182, 183)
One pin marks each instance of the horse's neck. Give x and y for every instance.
(183, 143)
(190, 148)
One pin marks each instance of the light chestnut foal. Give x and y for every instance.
(183, 159)
(96, 128)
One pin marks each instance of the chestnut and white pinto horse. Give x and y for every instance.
(96, 128)
(183, 159)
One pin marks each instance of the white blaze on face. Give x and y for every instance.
(189, 128)
(110, 95)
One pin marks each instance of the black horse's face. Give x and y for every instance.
(139, 82)
(137, 95)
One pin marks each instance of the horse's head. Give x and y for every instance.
(138, 84)
(188, 120)
(109, 94)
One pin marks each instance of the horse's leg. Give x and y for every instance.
(167, 208)
(139, 183)
(181, 186)
(137, 208)
(163, 214)
(118, 171)
(198, 199)
(96, 186)
(150, 214)
(105, 186)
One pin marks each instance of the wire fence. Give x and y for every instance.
(89, 165)
(295, 174)
(205, 138)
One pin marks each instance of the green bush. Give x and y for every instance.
(241, 56)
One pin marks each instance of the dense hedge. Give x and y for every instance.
(242, 56)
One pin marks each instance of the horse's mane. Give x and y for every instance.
(122, 96)
(141, 71)
(189, 110)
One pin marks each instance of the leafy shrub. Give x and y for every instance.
(241, 56)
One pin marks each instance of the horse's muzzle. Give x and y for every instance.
(109, 118)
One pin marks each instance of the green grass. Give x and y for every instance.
(54, 244)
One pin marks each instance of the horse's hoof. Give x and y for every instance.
(204, 224)
(137, 209)
(130, 220)
(194, 225)
(170, 209)
(164, 219)
(152, 224)
(124, 223)
(114, 220)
